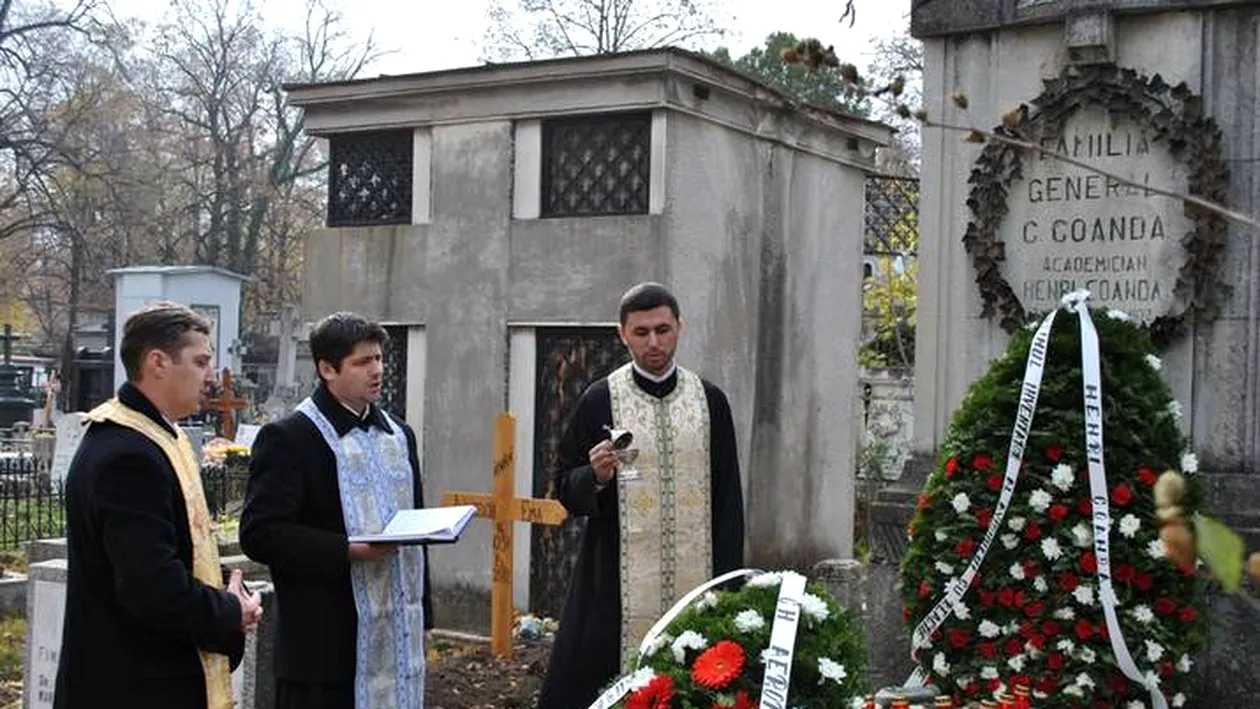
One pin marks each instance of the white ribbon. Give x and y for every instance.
(1092, 386)
(1019, 439)
(778, 656)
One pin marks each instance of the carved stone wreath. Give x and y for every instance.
(1173, 116)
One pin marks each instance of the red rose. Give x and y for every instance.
(1007, 597)
(1068, 582)
(1084, 629)
(984, 516)
(1050, 628)
(1166, 669)
(993, 685)
(1089, 563)
(1085, 506)
(1121, 494)
(958, 638)
(1058, 512)
(981, 462)
(987, 650)
(1030, 569)
(973, 688)
(995, 483)
(1055, 661)
(1047, 685)
(1143, 581)
(951, 468)
(1033, 610)
(1054, 453)
(924, 589)
(1020, 599)
(1188, 614)
(1124, 573)
(1147, 476)
(1032, 531)
(1117, 683)
(988, 598)
(1027, 630)
(966, 548)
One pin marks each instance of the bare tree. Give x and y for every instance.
(538, 29)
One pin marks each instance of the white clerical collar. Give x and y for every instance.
(358, 416)
(658, 378)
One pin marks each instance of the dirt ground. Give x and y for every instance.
(465, 675)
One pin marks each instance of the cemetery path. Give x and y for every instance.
(465, 675)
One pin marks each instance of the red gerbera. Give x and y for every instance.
(656, 695)
(719, 665)
(1059, 512)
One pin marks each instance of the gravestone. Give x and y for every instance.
(70, 430)
(253, 682)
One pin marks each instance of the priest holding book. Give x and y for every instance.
(352, 617)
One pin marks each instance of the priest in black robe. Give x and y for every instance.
(661, 520)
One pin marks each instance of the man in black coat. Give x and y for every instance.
(147, 620)
(351, 617)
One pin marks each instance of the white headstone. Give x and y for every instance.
(246, 433)
(70, 430)
(45, 613)
(1070, 229)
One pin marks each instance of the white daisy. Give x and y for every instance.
(1129, 525)
(961, 502)
(989, 629)
(1039, 500)
(1156, 549)
(814, 607)
(1065, 645)
(1016, 663)
(961, 612)
(1017, 572)
(1016, 524)
(1082, 535)
(1065, 613)
(1084, 595)
(1153, 362)
(1084, 680)
(1040, 584)
(1087, 655)
(1189, 463)
(1152, 679)
(1062, 477)
(1050, 548)
(1142, 614)
(1154, 651)
(749, 620)
(1010, 541)
(688, 640)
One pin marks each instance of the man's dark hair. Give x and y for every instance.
(336, 336)
(161, 326)
(647, 296)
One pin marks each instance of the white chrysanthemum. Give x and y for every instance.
(1157, 549)
(1065, 613)
(1065, 645)
(1118, 315)
(641, 678)
(831, 670)
(1135, 704)
(1174, 409)
(1129, 525)
(989, 629)
(1050, 548)
(1010, 541)
(940, 667)
(1040, 584)
(1179, 700)
(1074, 690)
(944, 568)
(749, 620)
(1152, 679)
(1017, 572)
(1016, 524)
(1087, 655)
(1142, 614)
(1082, 535)
(1189, 463)
(941, 535)
(1016, 663)
(766, 580)
(1062, 477)
(988, 672)
(707, 601)
(1040, 500)
(1154, 362)
(1184, 664)
(961, 612)
(1084, 595)
(814, 607)
(961, 502)
(688, 640)
(1154, 651)
(1084, 680)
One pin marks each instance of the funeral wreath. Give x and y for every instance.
(712, 654)
(1036, 611)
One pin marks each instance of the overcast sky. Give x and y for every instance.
(423, 42)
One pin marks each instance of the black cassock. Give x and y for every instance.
(587, 651)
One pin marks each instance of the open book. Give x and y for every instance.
(429, 525)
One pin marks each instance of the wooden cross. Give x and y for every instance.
(504, 509)
(227, 406)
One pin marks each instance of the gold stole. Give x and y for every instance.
(666, 528)
(205, 547)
